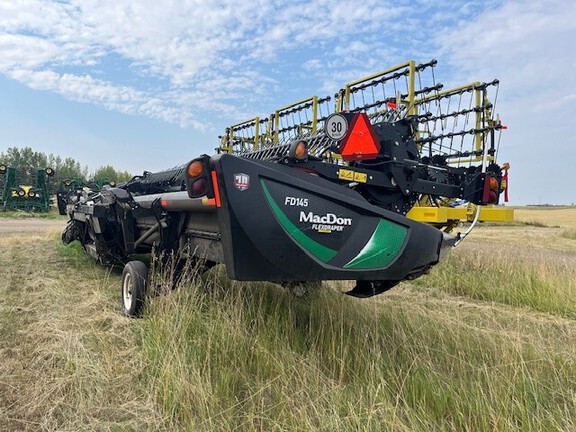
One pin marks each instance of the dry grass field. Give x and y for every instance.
(68, 359)
(486, 341)
(564, 217)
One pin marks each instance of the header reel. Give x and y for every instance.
(405, 139)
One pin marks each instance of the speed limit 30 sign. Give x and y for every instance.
(336, 127)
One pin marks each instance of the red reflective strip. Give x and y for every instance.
(216, 189)
(164, 203)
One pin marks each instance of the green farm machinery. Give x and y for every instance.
(16, 196)
(319, 190)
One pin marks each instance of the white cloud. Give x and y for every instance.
(37, 52)
(86, 89)
(43, 43)
(529, 46)
(183, 61)
(200, 64)
(556, 104)
(203, 57)
(525, 40)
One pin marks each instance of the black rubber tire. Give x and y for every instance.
(133, 288)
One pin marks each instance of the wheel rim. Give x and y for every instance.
(127, 291)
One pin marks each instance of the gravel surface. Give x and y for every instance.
(30, 225)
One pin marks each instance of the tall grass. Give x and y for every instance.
(222, 355)
(234, 356)
(569, 233)
(542, 281)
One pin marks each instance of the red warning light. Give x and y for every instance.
(361, 142)
(491, 190)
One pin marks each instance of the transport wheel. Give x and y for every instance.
(133, 290)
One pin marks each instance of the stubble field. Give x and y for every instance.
(487, 341)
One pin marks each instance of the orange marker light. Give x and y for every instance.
(493, 183)
(195, 168)
(300, 151)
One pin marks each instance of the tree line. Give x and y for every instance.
(27, 161)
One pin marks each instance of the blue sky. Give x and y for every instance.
(149, 84)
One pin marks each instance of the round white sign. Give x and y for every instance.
(336, 127)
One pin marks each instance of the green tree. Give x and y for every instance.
(108, 173)
(124, 176)
(26, 161)
(69, 169)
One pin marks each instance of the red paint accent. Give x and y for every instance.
(391, 105)
(361, 142)
(216, 189)
(504, 127)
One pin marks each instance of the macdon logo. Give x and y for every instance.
(327, 219)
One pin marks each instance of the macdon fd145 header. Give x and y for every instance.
(318, 190)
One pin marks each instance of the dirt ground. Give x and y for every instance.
(30, 225)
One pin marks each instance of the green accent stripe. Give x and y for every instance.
(382, 248)
(321, 252)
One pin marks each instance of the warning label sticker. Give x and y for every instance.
(345, 174)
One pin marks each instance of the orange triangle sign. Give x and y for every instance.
(361, 142)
